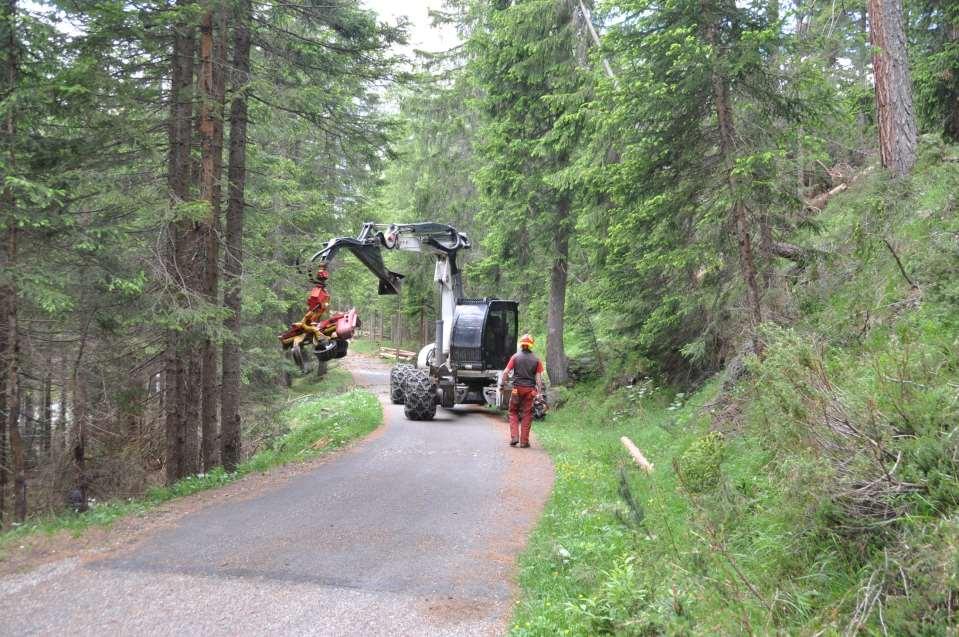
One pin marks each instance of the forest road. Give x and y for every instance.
(413, 531)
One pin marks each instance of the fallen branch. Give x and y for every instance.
(637, 455)
(895, 256)
(790, 251)
(819, 202)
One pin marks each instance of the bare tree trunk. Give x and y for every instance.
(211, 83)
(230, 432)
(47, 410)
(12, 365)
(556, 364)
(8, 295)
(182, 264)
(894, 111)
(952, 121)
(4, 467)
(78, 442)
(60, 430)
(740, 216)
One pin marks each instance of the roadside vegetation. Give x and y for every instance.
(315, 417)
(815, 494)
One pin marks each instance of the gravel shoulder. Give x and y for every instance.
(413, 530)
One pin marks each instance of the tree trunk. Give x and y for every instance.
(952, 120)
(60, 428)
(740, 215)
(78, 442)
(894, 111)
(4, 467)
(230, 433)
(556, 364)
(12, 366)
(47, 411)
(8, 294)
(182, 264)
(211, 83)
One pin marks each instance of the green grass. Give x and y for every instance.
(366, 346)
(593, 563)
(320, 417)
(765, 528)
(336, 381)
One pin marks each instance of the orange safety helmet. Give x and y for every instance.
(526, 341)
(322, 274)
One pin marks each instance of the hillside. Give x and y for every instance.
(816, 493)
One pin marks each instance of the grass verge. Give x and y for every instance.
(820, 495)
(315, 421)
(591, 561)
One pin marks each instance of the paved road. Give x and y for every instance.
(412, 532)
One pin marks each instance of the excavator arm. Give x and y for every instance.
(439, 239)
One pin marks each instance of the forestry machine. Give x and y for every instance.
(474, 337)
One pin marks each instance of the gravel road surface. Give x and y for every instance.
(413, 531)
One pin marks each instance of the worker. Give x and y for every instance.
(527, 372)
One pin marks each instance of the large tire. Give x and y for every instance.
(419, 396)
(398, 376)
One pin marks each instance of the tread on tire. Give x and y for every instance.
(419, 396)
(398, 375)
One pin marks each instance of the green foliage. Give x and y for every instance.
(699, 467)
(934, 57)
(831, 495)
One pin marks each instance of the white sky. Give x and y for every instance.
(422, 34)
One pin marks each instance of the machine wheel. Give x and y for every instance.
(419, 396)
(398, 376)
(325, 351)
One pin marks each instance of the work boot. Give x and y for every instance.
(524, 445)
(513, 442)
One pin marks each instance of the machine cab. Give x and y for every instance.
(484, 334)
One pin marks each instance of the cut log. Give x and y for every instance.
(819, 202)
(637, 455)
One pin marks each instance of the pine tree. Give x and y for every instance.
(532, 87)
(895, 115)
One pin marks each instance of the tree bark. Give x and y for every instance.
(183, 265)
(952, 119)
(78, 443)
(230, 435)
(740, 215)
(12, 365)
(9, 292)
(212, 66)
(896, 118)
(556, 364)
(47, 411)
(4, 467)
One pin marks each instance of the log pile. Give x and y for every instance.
(396, 354)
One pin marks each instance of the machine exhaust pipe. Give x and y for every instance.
(438, 358)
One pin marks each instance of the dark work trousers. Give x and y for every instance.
(521, 413)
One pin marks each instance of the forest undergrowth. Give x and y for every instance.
(818, 494)
(315, 416)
